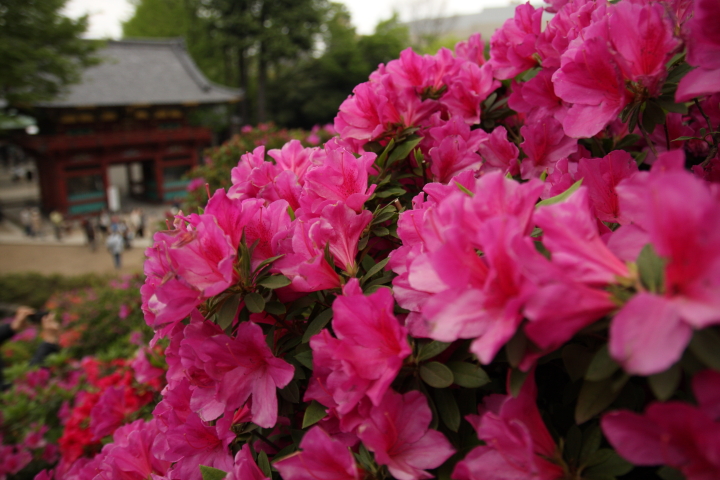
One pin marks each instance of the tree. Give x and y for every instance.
(310, 92)
(179, 18)
(275, 30)
(41, 51)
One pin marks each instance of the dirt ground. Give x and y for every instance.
(66, 260)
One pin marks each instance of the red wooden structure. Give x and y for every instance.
(130, 110)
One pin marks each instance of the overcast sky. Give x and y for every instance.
(106, 15)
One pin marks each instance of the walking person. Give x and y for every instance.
(56, 219)
(115, 245)
(89, 230)
(26, 221)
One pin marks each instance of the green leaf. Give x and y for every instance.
(291, 392)
(317, 324)
(366, 458)
(254, 302)
(576, 359)
(601, 366)
(275, 281)
(314, 413)
(592, 438)
(305, 359)
(228, 311)
(385, 278)
(598, 456)
(268, 262)
(670, 105)
(403, 149)
(468, 375)
(210, 473)
(705, 344)
(573, 444)
(517, 380)
(652, 269)
(627, 141)
(665, 383)
(380, 231)
(448, 408)
(384, 215)
(614, 466)
(561, 197)
(380, 160)
(683, 138)
(516, 346)
(390, 192)
(275, 308)
(436, 375)
(594, 397)
(264, 464)
(430, 350)
(652, 116)
(669, 473)
(375, 269)
(464, 189)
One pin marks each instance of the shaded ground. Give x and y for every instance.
(65, 259)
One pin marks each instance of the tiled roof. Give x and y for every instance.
(139, 72)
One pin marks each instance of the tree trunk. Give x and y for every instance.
(244, 110)
(262, 82)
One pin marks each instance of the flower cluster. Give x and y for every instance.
(485, 238)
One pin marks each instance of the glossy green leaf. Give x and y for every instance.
(254, 302)
(291, 392)
(665, 383)
(375, 269)
(448, 408)
(468, 375)
(275, 281)
(313, 414)
(403, 149)
(705, 344)
(210, 473)
(430, 350)
(264, 464)
(652, 269)
(561, 197)
(228, 311)
(436, 375)
(601, 366)
(594, 397)
(517, 380)
(317, 324)
(275, 308)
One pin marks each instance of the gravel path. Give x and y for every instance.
(65, 259)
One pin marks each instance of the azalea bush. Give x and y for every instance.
(500, 268)
(58, 416)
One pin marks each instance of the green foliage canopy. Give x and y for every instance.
(41, 51)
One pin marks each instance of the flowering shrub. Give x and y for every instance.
(59, 416)
(502, 268)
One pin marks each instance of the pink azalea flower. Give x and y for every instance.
(703, 46)
(196, 443)
(677, 434)
(512, 47)
(345, 228)
(517, 443)
(592, 82)
(365, 357)
(601, 176)
(677, 212)
(363, 115)
(499, 153)
(342, 177)
(397, 432)
(545, 144)
(321, 457)
(471, 49)
(245, 467)
(468, 89)
(571, 235)
(303, 261)
(244, 367)
(296, 158)
(129, 457)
